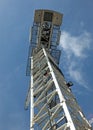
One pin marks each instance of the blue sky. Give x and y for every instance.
(76, 60)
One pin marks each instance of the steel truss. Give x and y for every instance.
(53, 106)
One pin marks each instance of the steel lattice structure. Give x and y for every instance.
(52, 104)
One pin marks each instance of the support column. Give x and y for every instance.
(31, 96)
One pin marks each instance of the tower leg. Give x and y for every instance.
(31, 96)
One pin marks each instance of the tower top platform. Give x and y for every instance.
(45, 33)
(48, 16)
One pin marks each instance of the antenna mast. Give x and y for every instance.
(52, 104)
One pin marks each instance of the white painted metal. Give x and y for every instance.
(52, 104)
(31, 98)
(62, 100)
(41, 95)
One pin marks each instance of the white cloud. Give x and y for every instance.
(75, 50)
(76, 45)
(91, 121)
(75, 72)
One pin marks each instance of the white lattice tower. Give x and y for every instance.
(52, 104)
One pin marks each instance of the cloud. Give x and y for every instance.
(76, 45)
(75, 51)
(91, 121)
